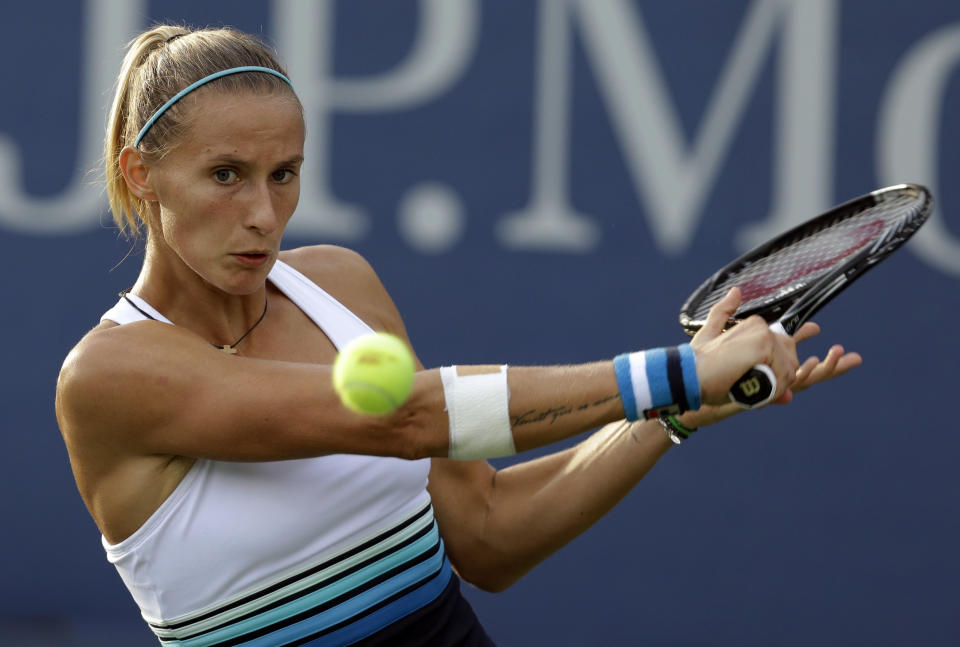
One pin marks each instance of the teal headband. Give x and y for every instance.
(193, 86)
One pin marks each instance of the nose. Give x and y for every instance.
(260, 213)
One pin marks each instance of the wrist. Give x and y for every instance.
(661, 381)
(676, 431)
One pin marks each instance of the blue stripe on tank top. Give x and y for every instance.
(434, 576)
(386, 616)
(317, 598)
(367, 553)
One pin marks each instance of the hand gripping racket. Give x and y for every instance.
(789, 278)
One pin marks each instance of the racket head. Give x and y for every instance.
(791, 276)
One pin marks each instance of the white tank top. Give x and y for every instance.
(329, 549)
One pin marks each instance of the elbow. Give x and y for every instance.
(411, 446)
(418, 432)
(491, 578)
(404, 434)
(489, 568)
(395, 437)
(493, 585)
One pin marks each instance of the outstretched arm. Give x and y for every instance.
(500, 524)
(149, 388)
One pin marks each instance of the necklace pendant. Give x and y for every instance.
(228, 349)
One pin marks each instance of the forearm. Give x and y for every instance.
(532, 509)
(500, 524)
(551, 404)
(545, 404)
(539, 506)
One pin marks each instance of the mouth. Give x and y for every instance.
(252, 258)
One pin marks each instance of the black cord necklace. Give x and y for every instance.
(229, 349)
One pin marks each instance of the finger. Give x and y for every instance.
(806, 331)
(721, 312)
(848, 361)
(833, 359)
(786, 397)
(825, 369)
(836, 364)
(803, 373)
(785, 356)
(833, 356)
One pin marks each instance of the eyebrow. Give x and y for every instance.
(236, 161)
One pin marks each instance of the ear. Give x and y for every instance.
(136, 172)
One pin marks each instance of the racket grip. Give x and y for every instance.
(757, 386)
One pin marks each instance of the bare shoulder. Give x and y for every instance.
(349, 278)
(320, 261)
(102, 374)
(87, 368)
(110, 348)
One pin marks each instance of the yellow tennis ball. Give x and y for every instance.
(373, 374)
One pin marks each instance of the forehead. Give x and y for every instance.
(261, 125)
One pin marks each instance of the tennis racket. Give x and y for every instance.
(789, 278)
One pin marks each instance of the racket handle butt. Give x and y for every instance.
(755, 388)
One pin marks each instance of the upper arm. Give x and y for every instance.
(462, 496)
(154, 388)
(151, 388)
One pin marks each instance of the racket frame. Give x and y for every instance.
(792, 308)
(787, 310)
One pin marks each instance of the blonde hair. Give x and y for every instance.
(158, 64)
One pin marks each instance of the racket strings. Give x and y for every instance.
(800, 260)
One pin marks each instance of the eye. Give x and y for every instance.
(225, 175)
(283, 175)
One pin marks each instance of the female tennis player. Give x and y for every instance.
(239, 500)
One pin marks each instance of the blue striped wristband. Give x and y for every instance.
(661, 381)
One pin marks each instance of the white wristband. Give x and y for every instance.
(479, 413)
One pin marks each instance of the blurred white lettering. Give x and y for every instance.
(909, 132)
(444, 45)
(672, 173)
(109, 23)
(673, 179)
(549, 221)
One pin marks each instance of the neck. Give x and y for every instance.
(218, 314)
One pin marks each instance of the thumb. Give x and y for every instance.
(720, 315)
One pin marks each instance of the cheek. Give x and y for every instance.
(288, 201)
(190, 231)
(182, 207)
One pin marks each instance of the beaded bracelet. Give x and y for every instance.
(675, 429)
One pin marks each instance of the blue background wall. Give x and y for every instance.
(833, 521)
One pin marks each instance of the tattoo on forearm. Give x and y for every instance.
(555, 413)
